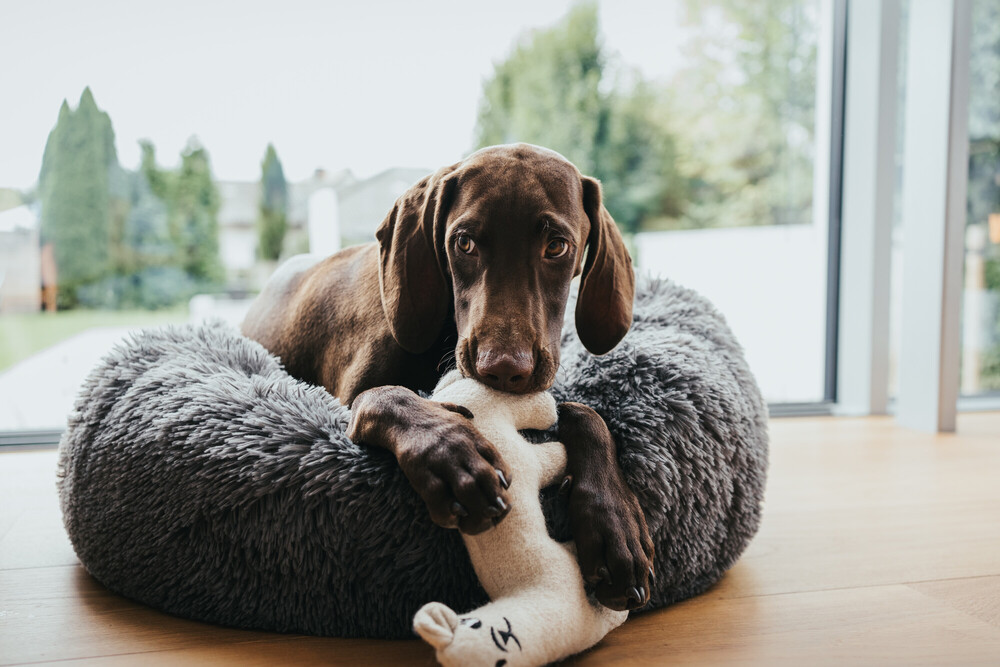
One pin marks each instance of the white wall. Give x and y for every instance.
(770, 283)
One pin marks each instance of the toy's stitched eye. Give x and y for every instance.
(556, 248)
(465, 243)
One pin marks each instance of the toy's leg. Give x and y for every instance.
(551, 460)
(534, 628)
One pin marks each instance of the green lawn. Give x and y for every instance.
(24, 335)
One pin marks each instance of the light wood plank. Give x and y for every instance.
(31, 531)
(97, 626)
(841, 463)
(824, 549)
(87, 620)
(978, 596)
(280, 651)
(885, 625)
(36, 536)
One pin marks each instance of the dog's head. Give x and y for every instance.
(496, 239)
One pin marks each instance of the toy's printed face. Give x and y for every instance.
(503, 638)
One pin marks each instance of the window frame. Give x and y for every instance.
(831, 189)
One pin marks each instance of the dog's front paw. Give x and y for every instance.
(613, 545)
(458, 472)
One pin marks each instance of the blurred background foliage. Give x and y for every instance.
(272, 219)
(75, 191)
(728, 141)
(124, 239)
(984, 162)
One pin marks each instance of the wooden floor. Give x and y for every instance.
(878, 546)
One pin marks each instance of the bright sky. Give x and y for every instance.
(362, 85)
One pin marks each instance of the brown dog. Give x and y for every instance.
(474, 260)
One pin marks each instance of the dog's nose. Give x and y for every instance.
(506, 371)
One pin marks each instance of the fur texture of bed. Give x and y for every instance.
(198, 477)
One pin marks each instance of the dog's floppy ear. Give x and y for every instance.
(607, 288)
(412, 278)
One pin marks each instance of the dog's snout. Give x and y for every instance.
(506, 371)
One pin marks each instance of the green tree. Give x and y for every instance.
(145, 260)
(636, 160)
(144, 236)
(157, 179)
(743, 109)
(551, 74)
(272, 219)
(176, 222)
(146, 232)
(193, 205)
(74, 189)
(121, 238)
(557, 89)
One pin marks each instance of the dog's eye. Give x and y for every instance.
(465, 244)
(556, 248)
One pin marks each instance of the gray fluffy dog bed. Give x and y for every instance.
(196, 476)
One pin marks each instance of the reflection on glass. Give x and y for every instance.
(981, 303)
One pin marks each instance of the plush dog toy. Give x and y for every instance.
(539, 611)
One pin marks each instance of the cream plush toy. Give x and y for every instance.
(539, 611)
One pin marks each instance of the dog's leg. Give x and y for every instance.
(613, 544)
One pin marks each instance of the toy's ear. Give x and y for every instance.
(436, 623)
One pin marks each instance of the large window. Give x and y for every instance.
(158, 163)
